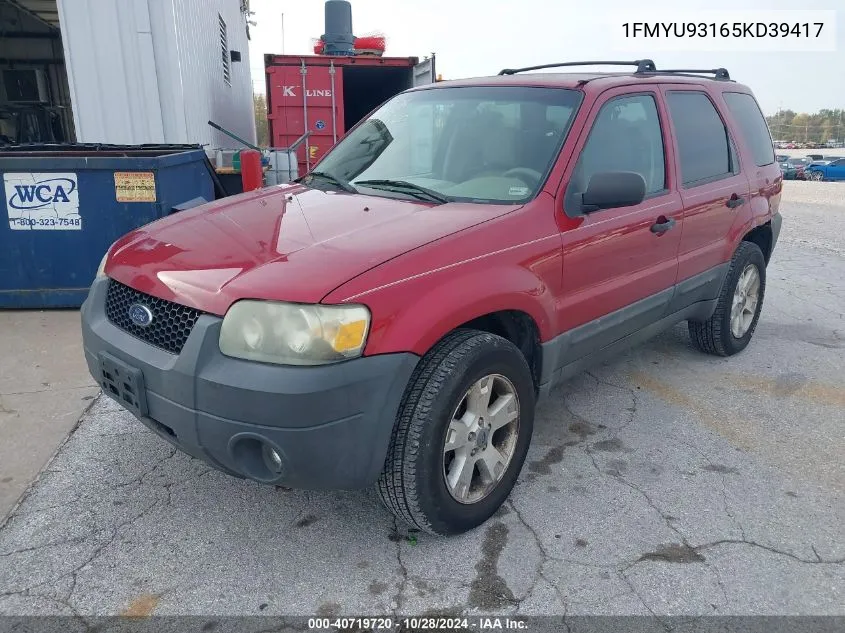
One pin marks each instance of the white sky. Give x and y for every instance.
(474, 37)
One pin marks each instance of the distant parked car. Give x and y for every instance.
(815, 156)
(786, 169)
(822, 170)
(799, 164)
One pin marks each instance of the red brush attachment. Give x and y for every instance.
(367, 45)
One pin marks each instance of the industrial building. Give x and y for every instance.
(128, 72)
(114, 114)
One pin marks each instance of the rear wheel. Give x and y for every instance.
(732, 325)
(461, 435)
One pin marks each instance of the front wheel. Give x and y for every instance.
(732, 325)
(461, 435)
(817, 176)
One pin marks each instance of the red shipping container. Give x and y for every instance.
(328, 95)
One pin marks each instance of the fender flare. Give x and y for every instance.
(468, 297)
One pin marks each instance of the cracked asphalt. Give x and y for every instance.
(663, 482)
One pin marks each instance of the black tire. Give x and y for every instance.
(412, 484)
(714, 335)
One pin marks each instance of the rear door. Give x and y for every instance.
(764, 175)
(713, 186)
(619, 265)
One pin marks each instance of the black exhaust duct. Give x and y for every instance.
(338, 37)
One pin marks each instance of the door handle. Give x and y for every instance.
(734, 201)
(662, 225)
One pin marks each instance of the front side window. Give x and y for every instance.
(475, 144)
(703, 144)
(625, 136)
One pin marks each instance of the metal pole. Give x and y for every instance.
(334, 110)
(283, 33)
(304, 71)
(234, 136)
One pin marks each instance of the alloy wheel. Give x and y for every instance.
(481, 439)
(745, 300)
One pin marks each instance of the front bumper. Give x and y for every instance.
(331, 424)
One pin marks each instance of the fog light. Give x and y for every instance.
(272, 459)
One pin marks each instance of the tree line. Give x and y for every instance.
(262, 131)
(800, 127)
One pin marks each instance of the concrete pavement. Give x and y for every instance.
(663, 482)
(44, 389)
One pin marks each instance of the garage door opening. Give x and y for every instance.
(366, 87)
(35, 105)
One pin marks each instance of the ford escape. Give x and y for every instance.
(392, 318)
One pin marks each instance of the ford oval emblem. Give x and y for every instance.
(140, 315)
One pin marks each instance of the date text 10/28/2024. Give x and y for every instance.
(413, 624)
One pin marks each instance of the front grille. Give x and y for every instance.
(171, 324)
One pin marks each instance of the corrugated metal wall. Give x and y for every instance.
(115, 100)
(206, 95)
(151, 71)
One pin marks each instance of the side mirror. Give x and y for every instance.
(610, 189)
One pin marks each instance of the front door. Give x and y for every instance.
(619, 264)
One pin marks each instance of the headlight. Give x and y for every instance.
(101, 270)
(294, 334)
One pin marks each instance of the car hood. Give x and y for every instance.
(288, 243)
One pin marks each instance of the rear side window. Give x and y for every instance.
(703, 142)
(752, 126)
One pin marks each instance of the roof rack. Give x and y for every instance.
(720, 73)
(644, 66)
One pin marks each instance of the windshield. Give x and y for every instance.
(477, 144)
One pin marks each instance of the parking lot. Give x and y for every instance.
(663, 482)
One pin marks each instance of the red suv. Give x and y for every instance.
(392, 318)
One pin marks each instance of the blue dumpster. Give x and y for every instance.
(63, 206)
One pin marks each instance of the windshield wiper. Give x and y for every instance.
(332, 179)
(403, 186)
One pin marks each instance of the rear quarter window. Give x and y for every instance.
(752, 126)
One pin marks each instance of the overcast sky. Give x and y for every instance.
(477, 37)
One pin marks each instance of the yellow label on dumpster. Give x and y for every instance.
(134, 186)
